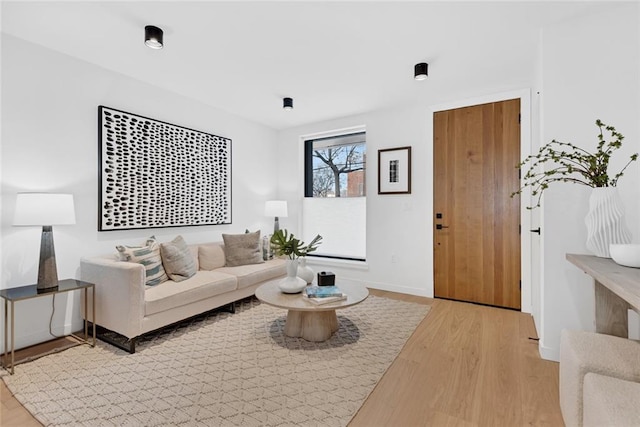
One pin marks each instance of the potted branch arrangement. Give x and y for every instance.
(566, 162)
(286, 244)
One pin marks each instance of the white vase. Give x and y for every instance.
(292, 284)
(305, 272)
(605, 221)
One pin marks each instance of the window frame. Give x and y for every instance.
(308, 158)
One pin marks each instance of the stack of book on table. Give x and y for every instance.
(323, 294)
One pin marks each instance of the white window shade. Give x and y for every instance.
(342, 223)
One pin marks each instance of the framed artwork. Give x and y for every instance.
(154, 174)
(394, 171)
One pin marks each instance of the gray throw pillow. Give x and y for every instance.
(177, 259)
(242, 249)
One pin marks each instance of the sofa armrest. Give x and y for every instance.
(119, 293)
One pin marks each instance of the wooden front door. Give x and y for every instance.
(476, 222)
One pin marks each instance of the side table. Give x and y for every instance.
(13, 295)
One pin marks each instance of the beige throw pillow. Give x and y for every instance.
(177, 259)
(211, 256)
(147, 255)
(242, 249)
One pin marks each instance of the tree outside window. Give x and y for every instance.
(338, 170)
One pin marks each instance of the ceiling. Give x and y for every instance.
(334, 59)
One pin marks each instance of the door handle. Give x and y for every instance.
(440, 226)
(537, 230)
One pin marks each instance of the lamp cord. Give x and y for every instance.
(53, 310)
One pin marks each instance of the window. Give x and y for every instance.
(335, 166)
(335, 195)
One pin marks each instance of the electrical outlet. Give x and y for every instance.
(394, 258)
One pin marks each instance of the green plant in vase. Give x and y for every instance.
(287, 244)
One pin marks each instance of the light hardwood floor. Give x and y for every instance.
(465, 365)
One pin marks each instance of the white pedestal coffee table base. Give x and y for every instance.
(311, 325)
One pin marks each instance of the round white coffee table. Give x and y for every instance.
(305, 320)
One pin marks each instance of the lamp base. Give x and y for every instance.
(47, 271)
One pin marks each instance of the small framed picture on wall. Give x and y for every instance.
(394, 170)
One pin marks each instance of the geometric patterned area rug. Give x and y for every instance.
(222, 369)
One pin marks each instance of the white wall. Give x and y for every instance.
(49, 143)
(398, 226)
(590, 70)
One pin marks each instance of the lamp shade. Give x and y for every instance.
(44, 209)
(276, 208)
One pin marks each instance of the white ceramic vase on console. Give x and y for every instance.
(292, 284)
(605, 221)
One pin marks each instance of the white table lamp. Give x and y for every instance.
(46, 210)
(276, 209)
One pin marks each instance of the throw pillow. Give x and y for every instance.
(147, 255)
(211, 256)
(242, 249)
(177, 259)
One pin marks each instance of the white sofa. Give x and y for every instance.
(125, 305)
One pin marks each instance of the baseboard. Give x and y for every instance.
(549, 353)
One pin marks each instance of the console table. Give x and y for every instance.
(12, 295)
(617, 289)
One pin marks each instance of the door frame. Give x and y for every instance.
(525, 149)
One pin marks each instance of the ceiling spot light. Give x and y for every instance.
(421, 71)
(153, 37)
(287, 103)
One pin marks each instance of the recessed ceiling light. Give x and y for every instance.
(287, 103)
(153, 37)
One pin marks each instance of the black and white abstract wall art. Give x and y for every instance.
(154, 174)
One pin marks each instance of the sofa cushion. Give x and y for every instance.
(255, 273)
(177, 259)
(211, 256)
(610, 401)
(147, 255)
(242, 249)
(582, 352)
(170, 294)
